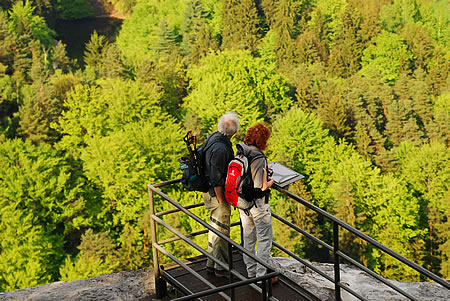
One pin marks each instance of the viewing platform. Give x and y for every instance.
(190, 280)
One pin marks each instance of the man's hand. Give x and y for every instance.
(220, 194)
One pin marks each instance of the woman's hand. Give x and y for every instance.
(267, 183)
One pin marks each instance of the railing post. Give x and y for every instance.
(160, 284)
(269, 285)
(230, 267)
(242, 231)
(264, 284)
(337, 274)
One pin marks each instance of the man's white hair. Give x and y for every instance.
(228, 124)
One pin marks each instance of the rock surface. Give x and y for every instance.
(357, 280)
(128, 285)
(139, 285)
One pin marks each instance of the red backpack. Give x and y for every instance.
(239, 182)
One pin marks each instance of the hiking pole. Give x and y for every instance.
(197, 159)
(191, 140)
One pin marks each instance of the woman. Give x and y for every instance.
(257, 221)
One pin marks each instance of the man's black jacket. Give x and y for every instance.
(218, 154)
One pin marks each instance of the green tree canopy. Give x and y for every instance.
(425, 170)
(240, 25)
(97, 256)
(42, 199)
(138, 35)
(332, 12)
(23, 21)
(398, 14)
(385, 58)
(105, 107)
(234, 81)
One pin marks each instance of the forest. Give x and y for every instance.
(356, 93)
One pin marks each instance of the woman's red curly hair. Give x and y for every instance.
(257, 136)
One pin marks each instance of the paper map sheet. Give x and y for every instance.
(283, 175)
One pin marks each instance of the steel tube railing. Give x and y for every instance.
(310, 236)
(337, 273)
(191, 243)
(367, 238)
(206, 225)
(155, 218)
(172, 280)
(172, 239)
(306, 263)
(159, 284)
(267, 290)
(227, 286)
(190, 270)
(231, 266)
(201, 250)
(170, 182)
(375, 275)
(178, 210)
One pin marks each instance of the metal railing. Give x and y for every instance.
(337, 254)
(266, 290)
(161, 276)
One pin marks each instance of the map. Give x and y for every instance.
(282, 175)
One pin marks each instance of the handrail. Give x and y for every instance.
(160, 287)
(172, 239)
(367, 238)
(186, 267)
(227, 286)
(206, 225)
(334, 248)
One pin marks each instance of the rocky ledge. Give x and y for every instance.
(360, 282)
(128, 285)
(139, 285)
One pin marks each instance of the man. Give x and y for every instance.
(219, 152)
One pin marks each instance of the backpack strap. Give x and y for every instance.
(208, 144)
(239, 149)
(257, 156)
(257, 193)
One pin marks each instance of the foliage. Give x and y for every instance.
(426, 170)
(332, 12)
(297, 128)
(356, 93)
(28, 251)
(123, 6)
(139, 33)
(234, 81)
(104, 107)
(191, 26)
(23, 21)
(119, 163)
(240, 28)
(398, 14)
(96, 257)
(42, 200)
(385, 58)
(73, 9)
(119, 145)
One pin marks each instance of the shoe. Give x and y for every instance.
(222, 274)
(275, 280)
(210, 270)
